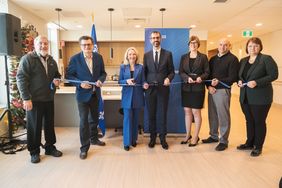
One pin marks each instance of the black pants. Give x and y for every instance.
(157, 104)
(88, 131)
(42, 113)
(255, 121)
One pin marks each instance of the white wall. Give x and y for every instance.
(272, 45)
(28, 18)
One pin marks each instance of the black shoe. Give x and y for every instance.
(152, 143)
(164, 145)
(221, 147)
(193, 145)
(245, 147)
(185, 142)
(54, 152)
(134, 144)
(35, 158)
(256, 152)
(209, 140)
(83, 155)
(98, 142)
(126, 148)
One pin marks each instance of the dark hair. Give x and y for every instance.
(85, 38)
(157, 33)
(255, 40)
(192, 38)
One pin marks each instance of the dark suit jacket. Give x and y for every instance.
(165, 69)
(263, 71)
(78, 70)
(132, 97)
(200, 67)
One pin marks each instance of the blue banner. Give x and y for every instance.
(101, 123)
(176, 41)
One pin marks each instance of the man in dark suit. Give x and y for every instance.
(159, 72)
(87, 66)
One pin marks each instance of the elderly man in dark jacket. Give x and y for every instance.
(36, 82)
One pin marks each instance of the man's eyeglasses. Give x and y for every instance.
(155, 38)
(86, 44)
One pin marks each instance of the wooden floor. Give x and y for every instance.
(141, 167)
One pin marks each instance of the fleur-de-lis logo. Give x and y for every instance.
(101, 115)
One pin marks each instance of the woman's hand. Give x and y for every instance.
(130, 81)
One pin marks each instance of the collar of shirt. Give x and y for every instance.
(87, 57)
(220, 55)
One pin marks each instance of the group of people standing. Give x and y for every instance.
(149, 83)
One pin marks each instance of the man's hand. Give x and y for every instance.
(27, 105)
(56, 82)
(166, 82)
(214, 82)
(190, 80)
(212, 90)
(99, 83)
(199, 80)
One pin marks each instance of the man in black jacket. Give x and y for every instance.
(223, 72)
(159, 72)
(36, 82)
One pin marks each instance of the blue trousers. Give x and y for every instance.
(130, 125)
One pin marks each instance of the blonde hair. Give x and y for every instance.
(125, 60)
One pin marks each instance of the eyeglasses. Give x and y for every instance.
(193, 43)
(155, 38)
(89, 44)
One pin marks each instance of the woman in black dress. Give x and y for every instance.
(194, 69)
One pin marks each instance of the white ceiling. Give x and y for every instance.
(218, 19)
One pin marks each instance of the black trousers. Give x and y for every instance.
(157, 104)
(255, 122)
(42, 113)
(88, 131)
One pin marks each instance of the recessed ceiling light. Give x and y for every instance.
(211, 42)
(137, 26)
(229, 35)
(258, 24)
(79, 26)
(193, 26)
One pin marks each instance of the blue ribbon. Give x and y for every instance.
(136, 85)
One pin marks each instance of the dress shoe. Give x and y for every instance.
(186, 141)
(209, 140)
(193, 145)
(83, 155)
(53, 152)
(152, 143)
(256, 152)
(35, 158)
(98, 142)
(126, 148)
(245, 147)
(221, 147)
(164, 145)
(134, 144)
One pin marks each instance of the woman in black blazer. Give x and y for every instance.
(194, 68)
(256, 73)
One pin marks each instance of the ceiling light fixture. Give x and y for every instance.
(111, 33)
(193, 26)
(162, 10)
(59, 24)
(258, 24)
